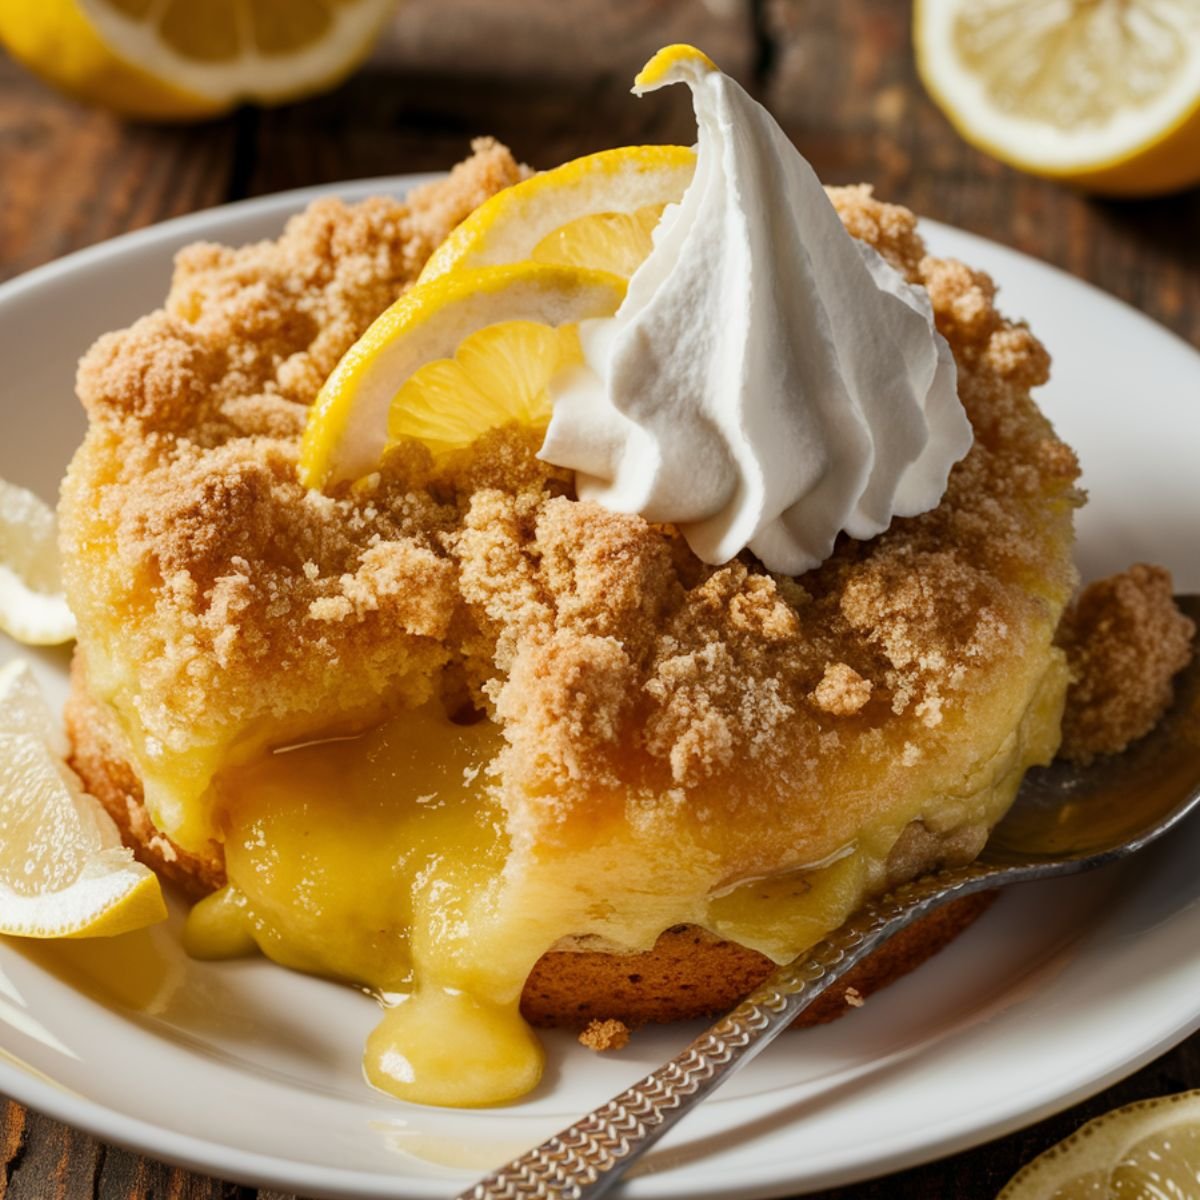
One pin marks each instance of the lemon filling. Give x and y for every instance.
(384, 860)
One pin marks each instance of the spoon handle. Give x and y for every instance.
(585, 1160)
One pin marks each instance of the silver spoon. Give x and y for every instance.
(1066, 819)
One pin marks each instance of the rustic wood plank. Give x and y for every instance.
(55, 1162)
(13, 1122)
(844, 85)
(126, 1176)
(553, 85)
(73, 176)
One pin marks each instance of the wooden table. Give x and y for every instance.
(551, 79)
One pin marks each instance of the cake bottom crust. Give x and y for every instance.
(689, 973)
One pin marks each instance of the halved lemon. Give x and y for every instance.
(583, 213)
(1103, 94)
(452, 358)
(181, 59)
(33, 608)
(1147, 1149)
(63, 869)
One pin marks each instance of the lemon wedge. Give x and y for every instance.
(1102, 94)
(452, 358)
(545, 217)
(32, 606)
(63, 869)
(189, 59)
(1150, 1148)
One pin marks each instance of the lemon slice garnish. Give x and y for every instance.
(489, 341)
(173, 59)
(515, 222)
(63, 869)
(1150, 1148)
(1104, 94)
(32, 606)
(610, 241)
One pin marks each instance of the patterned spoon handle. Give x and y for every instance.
(588, 1158)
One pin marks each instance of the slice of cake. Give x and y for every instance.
(457, 728)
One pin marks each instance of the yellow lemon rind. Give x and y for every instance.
(659, 67)
(128, 899)
(506, 228)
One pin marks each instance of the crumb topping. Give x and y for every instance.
(842, 690)
(1125, 641)
(605, 1035)
(617, 663)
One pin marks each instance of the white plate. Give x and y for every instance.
(246, 1071)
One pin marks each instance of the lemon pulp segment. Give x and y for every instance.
(384, 860)
(498, 375)
(610, 241)
(1104, 94)
(1070, 66)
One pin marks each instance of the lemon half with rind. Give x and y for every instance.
(348, 428)
(1146, 1149)
(64, 872)
(183, 59)
(33, 608)
(1099, 94)
(508, 227)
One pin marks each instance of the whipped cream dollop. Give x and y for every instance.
(768, 380)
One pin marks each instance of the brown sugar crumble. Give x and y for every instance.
(622, 670)
(1125, 640)
(842, 690)
(605, 1035)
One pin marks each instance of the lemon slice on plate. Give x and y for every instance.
(180, 59)
(452, 358)
(63, 869)
(1103, 94)
(1147, 1149)
(32, 606)
(584, 213)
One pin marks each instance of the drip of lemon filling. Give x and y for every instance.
(383, 860)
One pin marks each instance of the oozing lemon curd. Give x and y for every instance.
(384, 860)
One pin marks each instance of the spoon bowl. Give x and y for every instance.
(1090, 815)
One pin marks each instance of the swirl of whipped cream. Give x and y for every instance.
(768, 380)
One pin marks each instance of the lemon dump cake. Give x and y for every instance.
(449, 729)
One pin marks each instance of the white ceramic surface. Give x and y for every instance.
(248, 1072)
